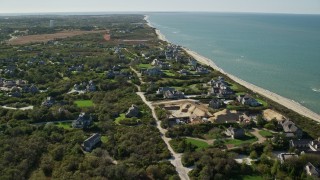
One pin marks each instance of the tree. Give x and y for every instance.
(253, 155)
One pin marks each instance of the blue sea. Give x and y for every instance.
(278, 52)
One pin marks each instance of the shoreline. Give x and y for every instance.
(288, 103)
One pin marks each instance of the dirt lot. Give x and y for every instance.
(48, 37)
(270, 114)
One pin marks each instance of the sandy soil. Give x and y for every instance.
(269, 114)
(273, 96)
(48, 37)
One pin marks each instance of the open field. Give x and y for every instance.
(64, 125)
(237, 142)
(48, 37)
(265, 133)
(84, 103)
(199, 144)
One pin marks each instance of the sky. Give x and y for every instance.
(263, 6)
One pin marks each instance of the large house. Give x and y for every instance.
(220, 88)
(91, 87)
(290, 129)
(83, 121)
(160, 64)
(300, 144)
(285, 156)
(133, 111)
(162, 90)
(235, 133)
(216, 103)
(153, 72)
(89, 143)
(248, 100)
(48, 102)
(173, 95)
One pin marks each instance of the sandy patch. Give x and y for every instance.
(48, 37)
(269, 114)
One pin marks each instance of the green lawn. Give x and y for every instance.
(265, 133)
(199, 144)
(264, 104)
(146, 66)
(84, 103)
(64, 125)
(168, 73)
(104, 139)
(248, 139)
(120, 118)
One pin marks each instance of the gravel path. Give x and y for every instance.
(176, 160)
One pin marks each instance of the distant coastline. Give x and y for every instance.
(290, 104)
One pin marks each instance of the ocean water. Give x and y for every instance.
(278, 52)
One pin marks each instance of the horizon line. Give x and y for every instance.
(143, 12)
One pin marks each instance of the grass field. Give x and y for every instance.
(120, 118)
(104, 139)
(145, 66)
(168, 73)
(64, 125)
(264, 104)
(247, 139)
(265, 133)
(199, 144)
(84, 103)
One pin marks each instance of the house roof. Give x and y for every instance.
(289, 126)
(312, 169)
(92, 138)
(300, 142)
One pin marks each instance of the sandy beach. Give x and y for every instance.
(268, 94)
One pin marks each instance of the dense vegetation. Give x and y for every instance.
(33, 148)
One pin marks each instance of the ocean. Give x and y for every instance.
(278, 52)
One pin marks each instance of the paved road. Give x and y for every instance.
(176, 160)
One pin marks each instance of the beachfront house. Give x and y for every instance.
(290, 129)
(248, 100)
(90, 142)
(202, 70)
